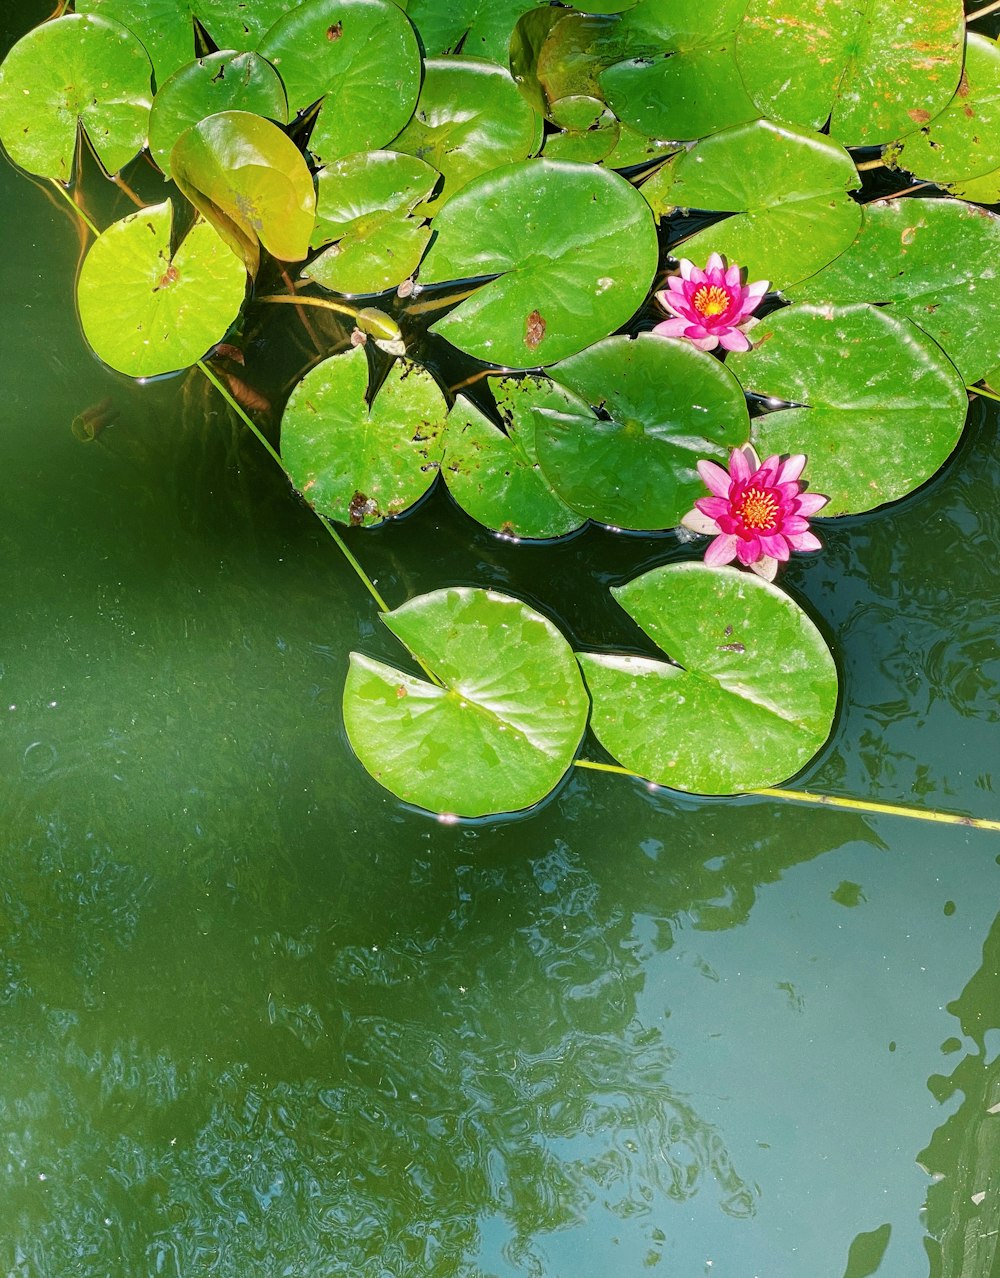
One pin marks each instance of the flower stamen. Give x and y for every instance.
(758, 510)
(710, 300)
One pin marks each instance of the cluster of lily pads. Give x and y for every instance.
(540, 158)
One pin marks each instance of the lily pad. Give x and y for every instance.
(554, 234)
(495, 477)
(500, 729)
(479, 28)
(749, 700)
(220, 82)
(880, 69)
(880, 406)
(76, 70)
(788, 188)
(166, 27)
(662, 405)
(357, 464)
(250, 181)
(678, 78)
(592, 142)
(360, 57)
(146, 311)
(469, 119)
(556, 57)
(364, 203)
(964, 140)
(937, 262)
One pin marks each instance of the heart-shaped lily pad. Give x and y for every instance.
(250, 180)
(166, 27)
(495, 477)
(76, 70)
(498, 731)
(357, 464)
(933, 261)
(207, 86)
(364, 202)
(788, 188)
(469, 119)
(480, 28)
(882, 407)
(678, 77)
(147, 312)
(751, 696)
(662, 406)
(554, 234)
(360, 57)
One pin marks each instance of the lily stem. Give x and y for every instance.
(981, 13)
(981, 390)
(80, 212)
(832, 801)
(296, 299)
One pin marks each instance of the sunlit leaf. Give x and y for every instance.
(219, 82)
(360, 57)
(469, 119)
(556, 57)
(356, 463)
(964, 140)
(76, 70)
(788, 188)
(166, 27)
(881, 68)
(677, 77)
(495, 477)
(751, 696)
(592, 142)
(881, 407)
(935, 261)
(478, 28)
(250, 180)
(501, 728)
(364, 203)
(554, 233)
(663, 405)
(147, 312)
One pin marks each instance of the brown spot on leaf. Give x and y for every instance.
(963, 86)
(919, 116)
(335, 31)
(361, 507)
(909, 235)
(170, 276)
(534, 331)
(401, 691)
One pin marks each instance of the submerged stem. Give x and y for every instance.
(981, 390)
(981, 13)
(77, 209)
(831, 801)
(296, 299)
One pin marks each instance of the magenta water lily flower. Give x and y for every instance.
(757, 513)
(710, 307)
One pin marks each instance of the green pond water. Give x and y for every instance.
(260, 1019)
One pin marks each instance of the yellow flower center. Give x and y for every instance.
(758, 509)
(711, 300)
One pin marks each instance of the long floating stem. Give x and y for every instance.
(833, 801)
(981, 13)
(296, 299)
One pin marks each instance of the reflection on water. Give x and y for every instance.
(259, 1019)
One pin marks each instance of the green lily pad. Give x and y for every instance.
(677, 77)
(147, 312)
(964, 140)
(881, 405)
(904, 63)
(553, 233)
(498, 732)
(166, 27)
(76, 70)
(881, 69)
(360, 57)
(788, 188)
(250, 181)
(593, 142)
(220, 82)
(364, 203)
(357, 464)
(933, 261)
(495, 477)
(750, 700)
(469, 119)
(635, 148)
(556, 57)
(480, 28)
(663, 404)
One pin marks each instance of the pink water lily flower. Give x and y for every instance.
(757, 513)
(710, 307)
